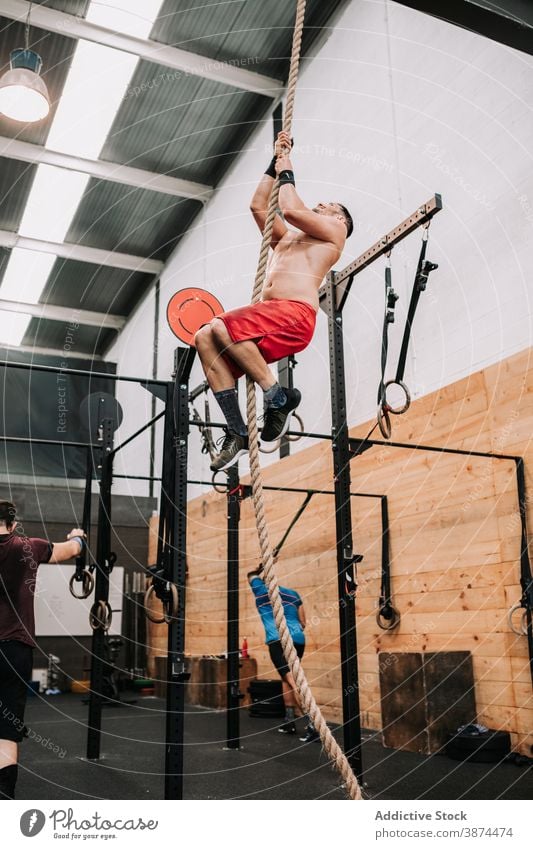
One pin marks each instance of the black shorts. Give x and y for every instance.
(16, 662)
(278, 658)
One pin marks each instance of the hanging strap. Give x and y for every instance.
(206, 434)
(390, 303)
(387, 617)
(82, 575)
(160, 585)
(423, 269)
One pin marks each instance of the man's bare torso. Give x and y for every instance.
(298, 266)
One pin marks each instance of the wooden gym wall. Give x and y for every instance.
(455, 537)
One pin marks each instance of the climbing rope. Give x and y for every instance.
(330, 745)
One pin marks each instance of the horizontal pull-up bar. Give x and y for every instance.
(30, 440)
(342, 280)
(358, 446)
(198, 390)
(137, 477)
(321, 491)
(291, 489)
(222, 425)
(137, 433)
(269, 488)
(77, 372)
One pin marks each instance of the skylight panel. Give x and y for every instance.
(131, 17)
(98, 79)
(93, 92)
(13, 326)
(26, 275)
(52, 202)
(96, 84)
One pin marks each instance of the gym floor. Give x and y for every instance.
(268, 766)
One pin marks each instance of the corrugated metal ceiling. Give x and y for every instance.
(184, 126)
(256, 31)
(72, 7)
(92, 287)
(15, 184)
(188, 127)
(53, 334)
(133, 221)
(4, 256)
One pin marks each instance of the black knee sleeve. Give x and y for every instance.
(8, 779)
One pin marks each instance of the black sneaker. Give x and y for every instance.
(278, 419)
(311, 734)
(233, 447)
(287, 728)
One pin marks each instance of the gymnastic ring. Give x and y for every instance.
(302, 428)
(398, 410)
(523, 620)
(388, 623)
(384, 421)
(100, 616)
(168, 614)
(218, 487)
(277, 443)
(158, 620)
(275, 447)
(87, 585)
(171, 612)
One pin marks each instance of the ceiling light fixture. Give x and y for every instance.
(23, 94)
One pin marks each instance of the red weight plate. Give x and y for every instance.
(188, 310)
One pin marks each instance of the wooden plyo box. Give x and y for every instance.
(425, 697)
(207, 685)
(212, 681)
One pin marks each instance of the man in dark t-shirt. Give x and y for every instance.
(20, 557)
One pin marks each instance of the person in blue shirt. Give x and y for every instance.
(295, 616)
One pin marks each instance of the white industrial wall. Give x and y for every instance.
(393, 106)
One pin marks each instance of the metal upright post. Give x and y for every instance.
(343, 523)
(104, 566)
(286, 379)
(177, 675)
(526, 578)
(154, 376)
(233, 678)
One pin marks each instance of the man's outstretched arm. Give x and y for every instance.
(261, 197)
(324, 227)
(259, 208)
(62, 551)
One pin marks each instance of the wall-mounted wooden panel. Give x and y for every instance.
(455, 537)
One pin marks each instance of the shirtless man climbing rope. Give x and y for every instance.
(244, 340)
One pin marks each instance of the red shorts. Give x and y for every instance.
(279, 327)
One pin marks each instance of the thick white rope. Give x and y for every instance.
(330, 745)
